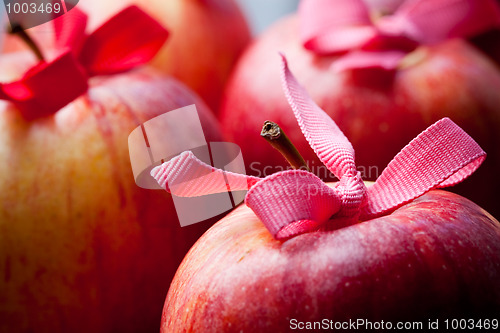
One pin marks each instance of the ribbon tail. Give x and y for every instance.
(129, 39)
(186, 176)
(441, 156)
(323, 135)
(432, 21)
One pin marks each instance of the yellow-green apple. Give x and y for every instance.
(206, 38)
(437, 257)
(82, 247)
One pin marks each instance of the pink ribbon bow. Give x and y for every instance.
(296, 201)
(345, 26)
(128, 39)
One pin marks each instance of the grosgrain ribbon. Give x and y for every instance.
(296, 201)
(346, 26)
(127, 40)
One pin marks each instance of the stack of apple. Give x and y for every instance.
(82, 247)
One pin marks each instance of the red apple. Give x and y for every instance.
(206, 38)
(304, 254)
(82, 247)
(437, 257)
(379, 113)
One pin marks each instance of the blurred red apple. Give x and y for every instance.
(206, 38)
(82, 247)
(489, 42)
(305, 252)
(436, 257)
(450, 79)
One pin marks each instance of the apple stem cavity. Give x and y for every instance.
(278, 139)
(17, 29)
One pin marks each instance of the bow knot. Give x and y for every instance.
(353, 195)
(296, 201)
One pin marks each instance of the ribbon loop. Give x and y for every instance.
(323, 135)
(127, 40)
(441, 156)
(69, 30)
(291, 202)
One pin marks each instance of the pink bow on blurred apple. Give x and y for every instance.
(127, 40)
(346, 26)
(296, 201)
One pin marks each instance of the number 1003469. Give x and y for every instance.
(26, 7)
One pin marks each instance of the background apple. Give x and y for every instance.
(206, 38)
(82, 247)
(488, 42)
(435, 257)
(451, 79)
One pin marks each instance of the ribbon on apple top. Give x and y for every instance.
(345, 27)
(127, 40)
(296, 201)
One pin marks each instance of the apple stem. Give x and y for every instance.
(17, 29)
(278, 139)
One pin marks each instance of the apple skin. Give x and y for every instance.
(435, 257)
(82, 247)
(378, 113)
(206, 38)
